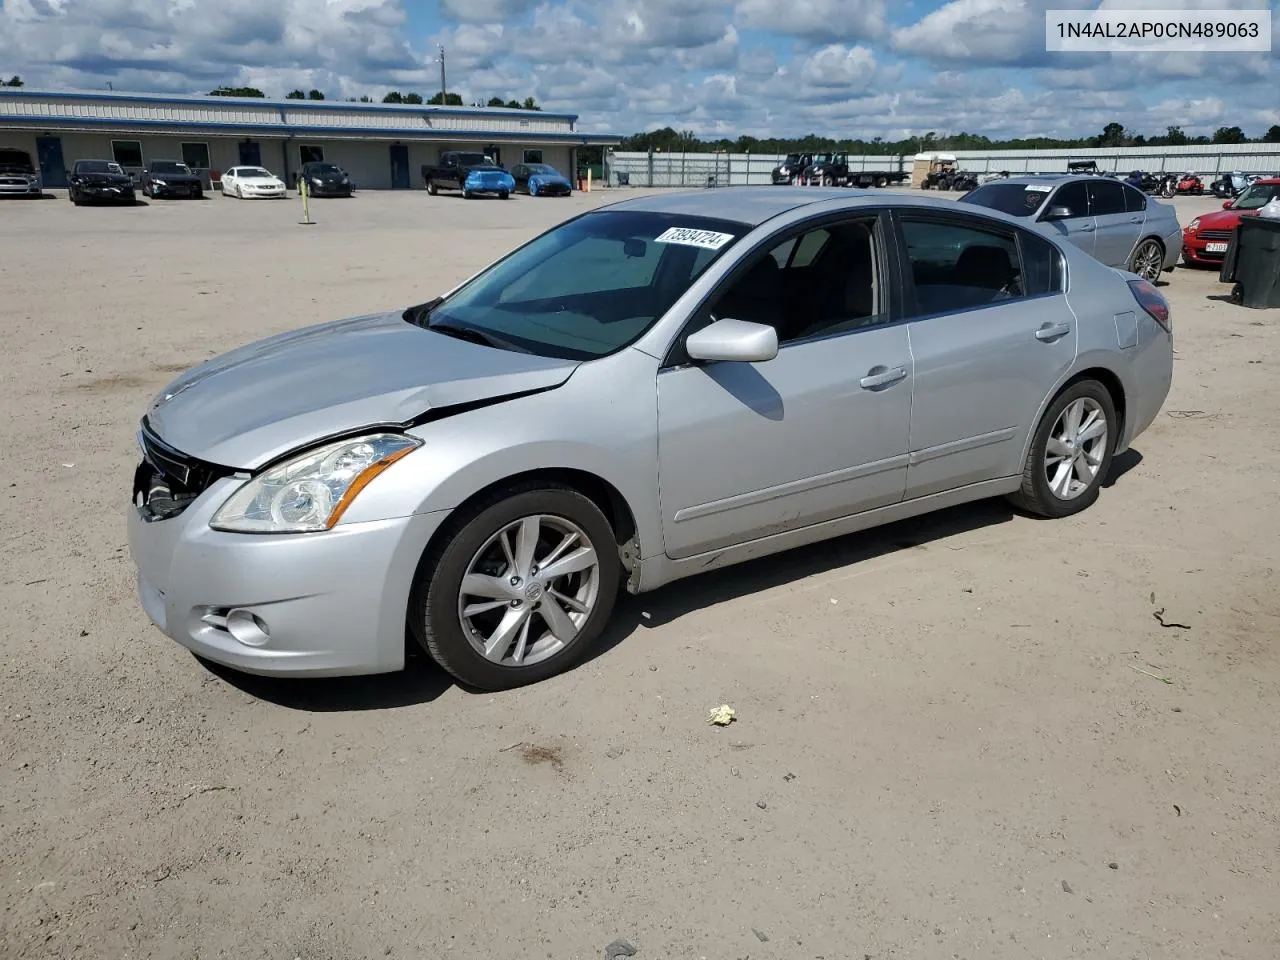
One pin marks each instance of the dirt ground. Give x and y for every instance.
(968, 736)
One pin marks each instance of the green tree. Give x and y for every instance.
(1229, 135)
(295, 95)
(531, 104)
(496, 102)
(315, 95)
(1271, 136)
(449, 100)
(14, 81)
(413, 98)
(395, 96)
(1174, 137)
(236, 92)
(1113, 135)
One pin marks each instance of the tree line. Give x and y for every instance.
(668, 140)
(393, 96)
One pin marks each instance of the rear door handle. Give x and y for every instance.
(1135, 219)
(882, 377)
(1052, 331)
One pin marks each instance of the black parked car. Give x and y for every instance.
(99, 181)
(171, 178)
(325, 179)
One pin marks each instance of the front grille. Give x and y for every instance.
(1214, 234)
(167, 481)
(15, 182)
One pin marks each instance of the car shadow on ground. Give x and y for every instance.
(422, 682)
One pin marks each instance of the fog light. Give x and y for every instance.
(248, 628)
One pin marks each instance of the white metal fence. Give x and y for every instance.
(738, 169)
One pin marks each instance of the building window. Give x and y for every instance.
(533, 156)
(196, 155)
(127, 153)
(311, 154)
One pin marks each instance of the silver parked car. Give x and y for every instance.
(650, 390)
(1116, 223)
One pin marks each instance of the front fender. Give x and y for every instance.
(602, 421)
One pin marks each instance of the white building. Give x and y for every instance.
(382, 146)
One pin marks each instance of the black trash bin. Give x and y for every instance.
(1227, 274)
(1257, 267)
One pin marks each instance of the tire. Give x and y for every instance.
(882, 182)
(469, 546)
(431, 189)
(467, 195)
(198, 195)
(504, 195)
(1147, 260)
(1037, 494)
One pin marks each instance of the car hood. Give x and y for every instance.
(120, 179)
(484, 168)
(1223, 219)
(247, 407)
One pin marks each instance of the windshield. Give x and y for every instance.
(97, 166)
(169, 166)
(1016, 199)
(544, 168)
(15, 160)
(792, 158)
(473, 159)
(254, 173)
(822, 158)
(324, 168)
(1257, 196)
(590, 286)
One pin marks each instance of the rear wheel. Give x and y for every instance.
(467, 194)
(882, 181)
(1147, 260)
(519, 589)
(504, 195)
(1070, 453)
(431, 188)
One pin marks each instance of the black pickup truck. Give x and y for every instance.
(472, 173)
(827, 170)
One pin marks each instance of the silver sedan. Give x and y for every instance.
(650, 390)
(1117, 223)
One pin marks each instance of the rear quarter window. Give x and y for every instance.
(1043, 271)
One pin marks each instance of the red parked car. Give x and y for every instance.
(1205, 239)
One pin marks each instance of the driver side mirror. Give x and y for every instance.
(733, 340)
(1226, 204)
(1057, 213)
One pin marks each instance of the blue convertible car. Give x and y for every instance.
(541, 180)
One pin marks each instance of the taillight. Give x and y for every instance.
(1149, 299)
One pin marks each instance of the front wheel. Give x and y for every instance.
(882, 182)
(1070, 453)
(467, 194)
(519, 589)
(431, 188)
(504, 195)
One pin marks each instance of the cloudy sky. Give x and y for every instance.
(863, 68)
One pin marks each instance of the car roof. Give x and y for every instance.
(752, 206)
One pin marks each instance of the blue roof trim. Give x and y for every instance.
(294, 132)
(177, 100)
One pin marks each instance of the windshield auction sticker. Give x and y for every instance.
(688, 237)
(1113, 30)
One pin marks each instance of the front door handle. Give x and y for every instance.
(882, 377)
(1086, 228)
(1052, 331)
(1135, 219)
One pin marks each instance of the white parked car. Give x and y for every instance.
(242, 182)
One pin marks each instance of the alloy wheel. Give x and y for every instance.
(1076, 448)
(528, 590)
(1148, 260)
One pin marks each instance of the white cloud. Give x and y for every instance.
(819, 20)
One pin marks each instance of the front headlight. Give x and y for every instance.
(158, 182)
(311, 491)
(1194, 225)
(316, 181)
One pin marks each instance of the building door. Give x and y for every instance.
(250, 153)
(399, 166)
(53, 169)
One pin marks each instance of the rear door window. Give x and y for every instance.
(958, 266)
(1106, 197)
